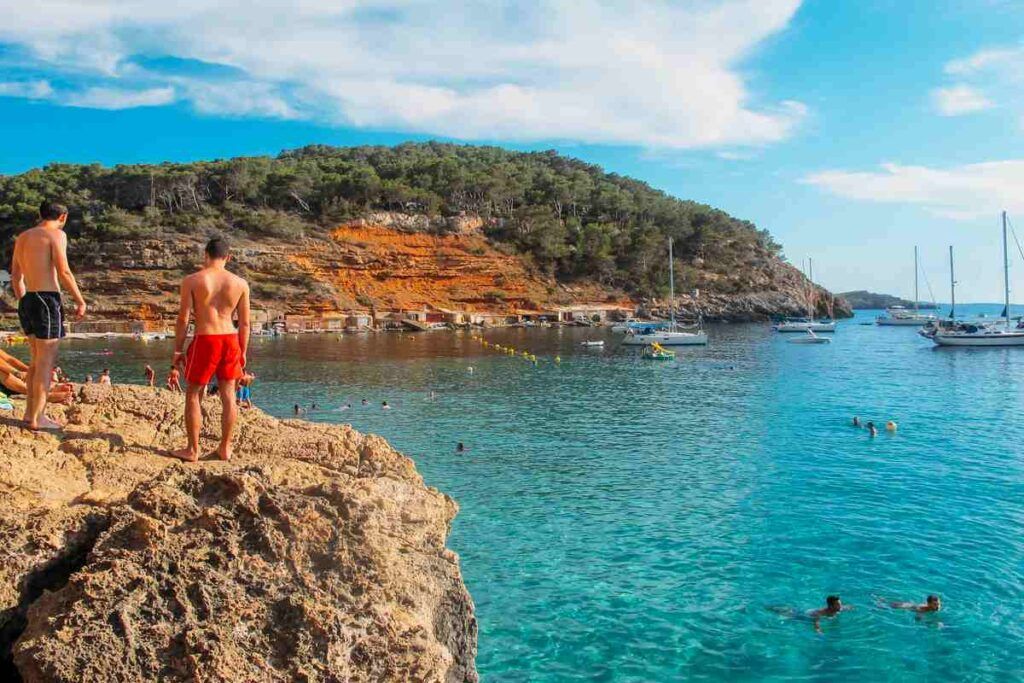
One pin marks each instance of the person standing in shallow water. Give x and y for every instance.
(150, 376)
(38, 269)
(213, 296)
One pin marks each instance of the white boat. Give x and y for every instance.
(901, 316)
(810, 338)
(592, 343)
(983, 334)
(805, 325)
(808, 324)
(672, 335)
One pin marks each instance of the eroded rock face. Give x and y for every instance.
(317, 554)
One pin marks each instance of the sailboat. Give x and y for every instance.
(672, 335)
(899, 316)
(808, 324)
(980, 334)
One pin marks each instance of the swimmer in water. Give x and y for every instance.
(856, 421)
(460, 448)
(872, 430)
(365, 402)
(833, 606)
(931, 604)
(296, 409)
(384, 406)
(891, 426)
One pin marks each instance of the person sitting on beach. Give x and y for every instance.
(244, 395)
(105, 376)
(150, 375)
(931, 604)
(12, 381)
(174, 379)
(213, 296)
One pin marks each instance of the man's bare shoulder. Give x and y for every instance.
(238, 281)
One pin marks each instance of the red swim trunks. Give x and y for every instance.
(211, 354)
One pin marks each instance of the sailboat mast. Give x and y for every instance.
(916, 296)
(671, 286)
(810, 293)
(1006, 275)
(952, 286)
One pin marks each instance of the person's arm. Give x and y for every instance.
(244, 323)
(17, 277)
(181, 324)
(64, 274)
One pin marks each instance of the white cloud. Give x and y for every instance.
(663, 75)
(960, 99)
(118, 98)
(32, 90)
(988, 78)
(959, 192)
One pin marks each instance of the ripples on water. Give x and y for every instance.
(630, 520)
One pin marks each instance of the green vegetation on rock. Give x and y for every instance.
(569, 218)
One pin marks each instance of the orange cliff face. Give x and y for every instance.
(357, 265)
(403, 270)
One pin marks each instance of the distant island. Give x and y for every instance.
(863, 299)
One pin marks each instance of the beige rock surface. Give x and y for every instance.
(317, 554)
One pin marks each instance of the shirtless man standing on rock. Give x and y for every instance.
(213, 296)
(39, 267)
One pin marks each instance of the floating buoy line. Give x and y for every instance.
(509, 350)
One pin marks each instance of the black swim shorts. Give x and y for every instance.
(41, 315)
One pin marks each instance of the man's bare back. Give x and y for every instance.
(215, 294)
(35, 252)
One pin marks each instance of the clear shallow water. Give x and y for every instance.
(629, 520)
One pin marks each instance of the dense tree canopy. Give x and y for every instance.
(571, 218)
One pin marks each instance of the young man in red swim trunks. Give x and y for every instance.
(213, 296)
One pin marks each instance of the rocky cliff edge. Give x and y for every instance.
(317, 554)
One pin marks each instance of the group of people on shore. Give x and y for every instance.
(214, 300)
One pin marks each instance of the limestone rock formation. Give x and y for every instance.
(316, 554)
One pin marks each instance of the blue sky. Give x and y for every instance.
(851, 130)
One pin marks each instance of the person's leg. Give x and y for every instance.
(28, 376)
(43, 360)
(193, 423)
(229, 415)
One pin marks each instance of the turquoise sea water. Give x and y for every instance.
(630, 520)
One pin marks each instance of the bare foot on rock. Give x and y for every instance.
(44, 424)
(186, 454)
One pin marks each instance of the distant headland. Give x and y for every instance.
(863, 299)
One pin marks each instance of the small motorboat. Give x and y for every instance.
(656, 351)
(593, 343)
(811, 338)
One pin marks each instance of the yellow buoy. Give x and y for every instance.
(558, 359)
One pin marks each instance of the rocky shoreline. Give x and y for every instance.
(317, 554)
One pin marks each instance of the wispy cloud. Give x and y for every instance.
(32, 90)
(661, 75)
(959, 192)
(119, 98)
(960, 99)
(985, 79)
